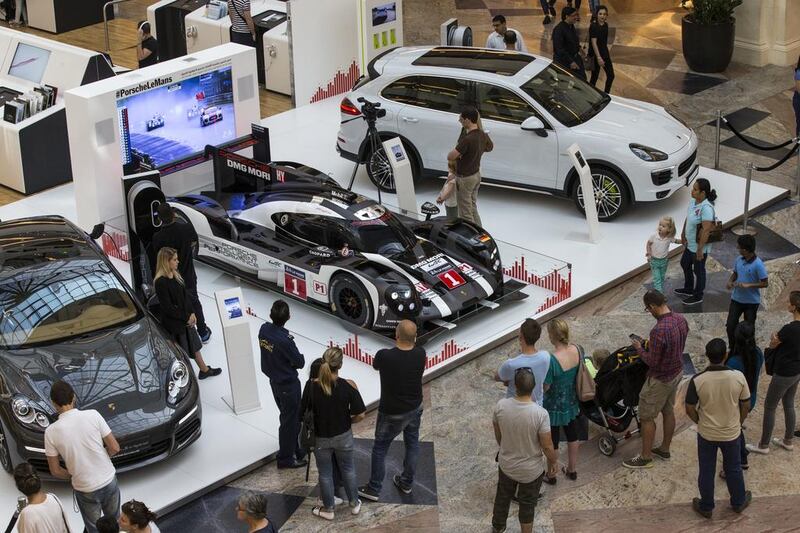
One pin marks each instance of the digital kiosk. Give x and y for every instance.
(58, 16)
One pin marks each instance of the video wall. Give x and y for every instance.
(176, 120)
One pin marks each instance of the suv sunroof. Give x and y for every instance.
(494, 61)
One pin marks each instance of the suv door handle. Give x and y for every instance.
(410, 119)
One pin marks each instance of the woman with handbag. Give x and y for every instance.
(599, 56)
(177, 314)
(336, 404)
(782, 362)
(560, 394)
(695, 237)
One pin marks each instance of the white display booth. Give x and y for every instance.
(103, 116)
(28, 61)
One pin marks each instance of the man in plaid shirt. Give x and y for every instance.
(663, 356)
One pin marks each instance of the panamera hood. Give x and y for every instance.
(120, 372)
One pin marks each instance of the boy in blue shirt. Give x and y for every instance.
(748, 277)
(530, 357)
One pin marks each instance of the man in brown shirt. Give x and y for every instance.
(472, 144)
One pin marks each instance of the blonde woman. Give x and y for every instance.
(177, 315)
(560, 394)
(336, 404)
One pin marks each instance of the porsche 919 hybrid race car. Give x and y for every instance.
(210, 115)
(156, 122)
(326, 245)
(66, 314)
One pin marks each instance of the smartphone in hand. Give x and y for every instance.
(637, 338)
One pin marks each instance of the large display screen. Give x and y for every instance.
(29, 63)
(384, 13)
(174, 121)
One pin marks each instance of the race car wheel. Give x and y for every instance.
(5, 454)
(380, 171)
(350, 301)
(610, 191)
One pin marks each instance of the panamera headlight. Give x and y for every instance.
(178, 379)
(645, 153)
(27, 413)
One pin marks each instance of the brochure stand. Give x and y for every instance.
(590, 207)
(403, 176)
(238, 350)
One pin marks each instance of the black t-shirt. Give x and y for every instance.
(181, 236)
(401, 379)
(149, 44)
(332, 413)
(599, 32)
(269, 529)
(786, 357)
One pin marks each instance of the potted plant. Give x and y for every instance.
(708, 32)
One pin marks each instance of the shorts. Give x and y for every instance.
(657, 396)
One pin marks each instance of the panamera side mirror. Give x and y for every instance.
(429, 209)
(535, 125)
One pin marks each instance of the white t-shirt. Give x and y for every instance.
(154, 528)
(521, 423)
(496, 41)
(45, 517)
(659, 247)
(77, 436)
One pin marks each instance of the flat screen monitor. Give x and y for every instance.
(172, 122)
(384, 13)
(29, 63)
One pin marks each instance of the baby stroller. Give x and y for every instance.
(618, 382)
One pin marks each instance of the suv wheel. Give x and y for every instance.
(610, 191)
(380, 171)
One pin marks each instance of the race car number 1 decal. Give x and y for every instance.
(451, 278)
(294, 282)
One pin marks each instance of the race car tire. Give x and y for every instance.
(350, 301)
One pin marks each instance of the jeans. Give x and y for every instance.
(608, 67)
(694, 272)
(735, 312)
(547, 7)
(287, 398)
(339, 447)
(467, 194)
(386, 429)
(781, 389)
(658, 266)
(102, 502)
(593, 5)
(796, 106)
(527, 494)
(707, 464)
(202, 328)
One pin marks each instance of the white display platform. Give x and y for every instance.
(231, 443)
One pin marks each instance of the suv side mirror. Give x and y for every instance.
(534, 124)
(429, 209)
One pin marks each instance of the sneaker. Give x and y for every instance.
(550, 480)
(322, 513)
(205, 337)
(355, 509)
(402, 487)
(547, 20)
(211, 372)
(755, 449)
(683, 292)
(779, 442)
(496, 530)
(637, 463)
(336, 501)
(797, 433)
(748, 497)
(693, 300)
(368, 494)
(696, 507)
(661, 454)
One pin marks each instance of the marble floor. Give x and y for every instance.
(457, 473)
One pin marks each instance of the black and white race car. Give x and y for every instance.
(156, 122)
(323, 244)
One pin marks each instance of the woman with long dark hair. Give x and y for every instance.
(694, 236)
(748, 359)
(598, 48)
(796, 98)
(137, 518)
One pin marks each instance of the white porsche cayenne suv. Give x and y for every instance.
(533, 110)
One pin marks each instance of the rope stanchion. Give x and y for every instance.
(719, 127)
(743, 229)
(754, 145)
(779, 163)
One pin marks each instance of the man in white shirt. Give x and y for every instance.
(85, 443)
(496, 39)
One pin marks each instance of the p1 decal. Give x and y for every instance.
(320, 288)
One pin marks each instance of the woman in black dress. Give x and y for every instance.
(177, 315)
(598, 37)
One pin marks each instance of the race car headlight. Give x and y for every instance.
(645, 153)
(28, 414)
(178, 380)
(402, 300)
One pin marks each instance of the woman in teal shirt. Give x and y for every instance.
(700, 215)
(748, 359)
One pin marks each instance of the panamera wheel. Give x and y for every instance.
(610, 192)
(350, 301)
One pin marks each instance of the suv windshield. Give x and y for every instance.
(570, 100)
(384, 236)
(52, 301)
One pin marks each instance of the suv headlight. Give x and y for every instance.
(402, 300)
(26, 413)
(645, 153)
(178, 381)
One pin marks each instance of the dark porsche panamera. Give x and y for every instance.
(65, 313)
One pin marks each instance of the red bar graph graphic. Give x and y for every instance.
(341, 83)
(449, 350)
(352, 349)
(554, 281)
(115, 244)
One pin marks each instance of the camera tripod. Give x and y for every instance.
(372, 140)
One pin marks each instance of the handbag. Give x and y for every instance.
(584, 383)
(714, 234)
(308, 435)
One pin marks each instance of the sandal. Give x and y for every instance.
(322, 513)
(571, 475)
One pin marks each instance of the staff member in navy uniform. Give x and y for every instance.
(280, 360)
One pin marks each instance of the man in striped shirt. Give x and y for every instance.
(243, 31)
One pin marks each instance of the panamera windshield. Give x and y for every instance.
(568, 99)
(51, 301)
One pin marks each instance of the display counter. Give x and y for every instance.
(58, 16)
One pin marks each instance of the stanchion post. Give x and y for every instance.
(797, 179)
(744, 229)
(716, 147)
